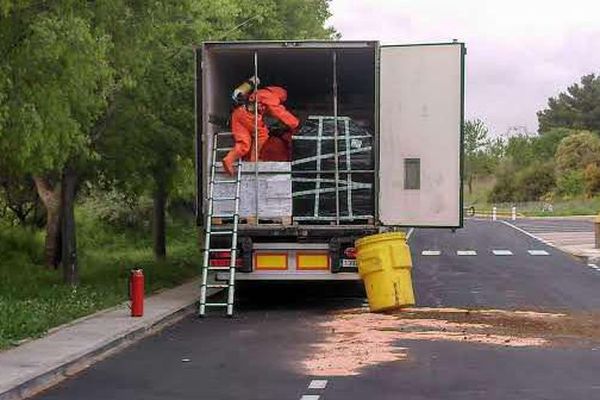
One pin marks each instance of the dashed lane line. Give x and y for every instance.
(594, 266)
(502, 252)
(318, 384)
(538, 252)
(534, 252)
(315, 384)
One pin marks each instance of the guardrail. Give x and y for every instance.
(494, 213)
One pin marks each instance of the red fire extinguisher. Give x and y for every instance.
(136, 292)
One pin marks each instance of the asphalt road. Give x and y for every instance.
(262, 352)
(517, 281)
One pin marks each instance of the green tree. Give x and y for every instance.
(155, 119)
(576, 152)
(56, 80)
(591, 176)
(577, 161)
(475, 140)
(571, 183)
(534, 181)
(577, 108)
(284, 19)
(519, 150)
(103, 91)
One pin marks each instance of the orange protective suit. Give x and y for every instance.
(242, 127)
(277, 148)
(270, 101)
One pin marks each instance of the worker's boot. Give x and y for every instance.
(228, 162)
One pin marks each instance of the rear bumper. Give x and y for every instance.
(290, 276)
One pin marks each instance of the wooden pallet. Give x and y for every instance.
(251, 220)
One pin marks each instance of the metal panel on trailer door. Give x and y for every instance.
(420, 151)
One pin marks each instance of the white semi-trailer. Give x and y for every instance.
(406, 103)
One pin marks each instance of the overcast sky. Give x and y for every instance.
(519, 52)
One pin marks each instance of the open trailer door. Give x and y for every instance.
(421, 94)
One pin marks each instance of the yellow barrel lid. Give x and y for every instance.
(380, 237)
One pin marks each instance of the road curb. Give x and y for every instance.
(56, 374)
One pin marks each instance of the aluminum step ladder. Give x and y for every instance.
(210, 232)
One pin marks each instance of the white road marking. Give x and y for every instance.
(527, 233)
(409, 234)
(538, 252)
(597, 268)
(318, 384)
(310, 397)
(502, 252)
(466, 253)
(431, 253)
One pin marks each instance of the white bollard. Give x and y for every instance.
(514, 213)
(494, 210)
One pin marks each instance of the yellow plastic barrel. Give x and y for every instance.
(384, 265)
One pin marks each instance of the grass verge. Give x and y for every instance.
(478, 198)
(33, 298)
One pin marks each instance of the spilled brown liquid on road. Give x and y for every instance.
(355, 339)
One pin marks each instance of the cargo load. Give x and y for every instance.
(316, 162)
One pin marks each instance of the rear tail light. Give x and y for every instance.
(350, 252)
(224, 262)
(223, 259)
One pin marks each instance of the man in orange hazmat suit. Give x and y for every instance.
(269, 100)
(278, 146)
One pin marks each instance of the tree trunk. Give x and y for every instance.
(69, 243)
(50, 197)
(470, 184)
(158, 221)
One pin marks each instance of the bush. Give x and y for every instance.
(20, 245)
(592, 179)
(576, 152)
(528, 184)
(504, 189)
(571, 184)
(534, 182)
(119, 210)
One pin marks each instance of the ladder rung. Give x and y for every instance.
(221, 233)
(218, 268)
(219, 250)
(224, 198)
(224, 134)
(224, 148)
(226, 181)
(223, 215)
(216, 304)
(217, 286)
